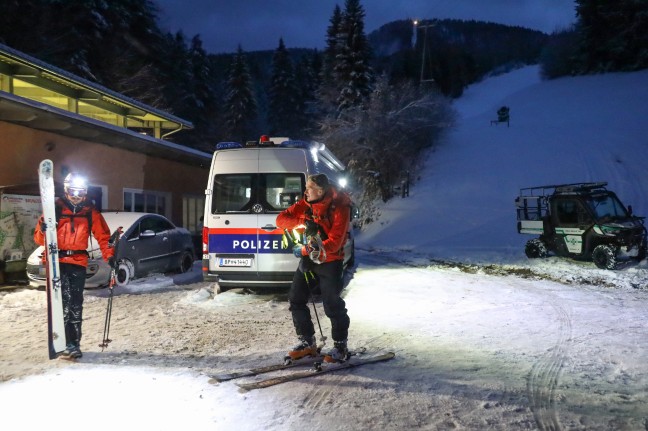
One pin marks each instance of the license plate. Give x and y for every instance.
(231, 261)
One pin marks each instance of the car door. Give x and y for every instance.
(149, 246)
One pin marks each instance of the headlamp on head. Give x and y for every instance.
(75, 185)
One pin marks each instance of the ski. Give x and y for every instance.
(55, 323)
(217, 378)
(308, 361)
(317, 370)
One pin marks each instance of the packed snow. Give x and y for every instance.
(484, 338)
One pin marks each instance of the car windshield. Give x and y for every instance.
(607, 207)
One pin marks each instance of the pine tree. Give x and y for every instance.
(240, 104)
(614, 35)
(328, 89)
(352, 70)
(307, 77)
(201, 105)
(284, 104)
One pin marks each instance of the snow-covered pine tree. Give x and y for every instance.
(352, 71)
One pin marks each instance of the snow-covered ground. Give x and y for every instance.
(484, 338)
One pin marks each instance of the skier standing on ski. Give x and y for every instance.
(76, 219)
(325, 213)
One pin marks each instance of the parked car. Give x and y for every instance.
(149, 243)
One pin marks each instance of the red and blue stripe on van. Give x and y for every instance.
(245, 240)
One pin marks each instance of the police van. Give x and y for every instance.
(248, 186)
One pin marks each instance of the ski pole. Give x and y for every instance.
(106, 333)
(114, 241)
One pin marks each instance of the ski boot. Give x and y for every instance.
(71, 352)
(339, 352)
(307, 346)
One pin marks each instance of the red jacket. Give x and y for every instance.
(332, 212)
(73, 231)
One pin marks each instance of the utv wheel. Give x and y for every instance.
(604, 256)
(535, 248)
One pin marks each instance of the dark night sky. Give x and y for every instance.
(258, 25)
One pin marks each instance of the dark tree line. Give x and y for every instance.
(608, 36)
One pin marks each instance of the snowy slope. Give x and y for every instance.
(568, 130)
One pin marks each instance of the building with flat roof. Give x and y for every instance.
(120, 144)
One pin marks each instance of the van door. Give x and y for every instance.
(278, 191)
(233, 222)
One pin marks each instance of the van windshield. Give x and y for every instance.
(240, 192)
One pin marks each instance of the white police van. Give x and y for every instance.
(248, 187)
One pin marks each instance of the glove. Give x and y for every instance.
(311, 227)
(112, 262)
(297, 250)
(312, 245)
(43, 227)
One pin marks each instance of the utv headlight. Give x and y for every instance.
(609, 230)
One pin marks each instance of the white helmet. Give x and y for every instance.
(75, 185)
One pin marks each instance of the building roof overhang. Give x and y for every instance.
(25, 112)
(34, 113)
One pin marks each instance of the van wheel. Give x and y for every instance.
(535, 248)
(186, 262)
(605, 256)
(124, 272)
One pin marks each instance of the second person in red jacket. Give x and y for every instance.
(325, 213)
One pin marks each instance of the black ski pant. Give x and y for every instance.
(330, 282)
(72, 285)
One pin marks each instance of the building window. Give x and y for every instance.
(147, 201)
(193, 208)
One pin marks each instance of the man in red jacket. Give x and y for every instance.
(325, 213)
(76, 219)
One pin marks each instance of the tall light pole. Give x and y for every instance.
(418, 25)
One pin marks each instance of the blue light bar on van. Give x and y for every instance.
(228, 145)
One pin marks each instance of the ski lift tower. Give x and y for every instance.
(419, 25)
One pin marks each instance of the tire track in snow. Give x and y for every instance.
(545, 374)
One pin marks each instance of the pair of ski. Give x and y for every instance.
(317, 367)
(56, 341)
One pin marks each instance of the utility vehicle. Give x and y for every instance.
(584, 221)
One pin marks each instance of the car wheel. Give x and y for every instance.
(535, 248)
(605, 256)
(124, 272)
(186, 262)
